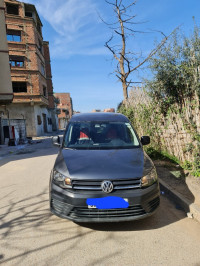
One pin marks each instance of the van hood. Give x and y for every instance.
(103, 164)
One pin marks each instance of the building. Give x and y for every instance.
(30, 68)
(96, 111)
(6, 92)
(66, 108)
(52, 107)
(109, 110)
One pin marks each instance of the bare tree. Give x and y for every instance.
(123, 27)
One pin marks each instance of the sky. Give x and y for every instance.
(82, 65)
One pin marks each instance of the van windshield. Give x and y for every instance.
(100, 135)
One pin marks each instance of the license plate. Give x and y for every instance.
(92, 206)
(107, 203)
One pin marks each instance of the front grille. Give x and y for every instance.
(121, 184)
(84, 212)
(70, 211)
(153, 204)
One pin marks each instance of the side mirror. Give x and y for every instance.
(145, 140)
(56, 141)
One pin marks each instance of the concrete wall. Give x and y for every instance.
(29, 113)
(21, 111)
(40, 128)
(54, 118)
(62, 123)
(19, 125)
(5, 77)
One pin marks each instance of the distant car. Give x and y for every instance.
(101, 173)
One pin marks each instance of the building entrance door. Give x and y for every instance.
(44, 122)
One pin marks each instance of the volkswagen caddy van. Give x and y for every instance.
(101, 173)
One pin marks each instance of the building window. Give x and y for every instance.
(44, 91)
(16, 61)
(14, 35)
(28, 14)
(39, 28)
(40, 45)
(12, 9)
(19, 87)
(42, 70)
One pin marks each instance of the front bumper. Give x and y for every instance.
(72, 205)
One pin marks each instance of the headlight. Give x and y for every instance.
(149, 179)
(61, 180)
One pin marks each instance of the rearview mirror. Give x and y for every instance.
(145, 140)
(56, 141)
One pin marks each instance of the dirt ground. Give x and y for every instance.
(179, 180)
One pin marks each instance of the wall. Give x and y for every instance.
(54, 118)
(6, 94)
(176, 132)
(29, 113)
(28, 47)
(62, 123)
(21, 111)
(28, 104)
(176, 136)
(40, 128)
(65, 103)
(19, 125)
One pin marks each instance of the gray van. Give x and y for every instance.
(101, 173)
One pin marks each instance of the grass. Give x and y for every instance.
(162, 155)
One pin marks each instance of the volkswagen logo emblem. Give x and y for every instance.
(107, 186)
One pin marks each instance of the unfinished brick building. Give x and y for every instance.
(65, 107)
(30, 69)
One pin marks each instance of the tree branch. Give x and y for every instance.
(112, 51)
(154, 51)
(127, 62)
(127, 7)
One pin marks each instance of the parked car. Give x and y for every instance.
(101, 173)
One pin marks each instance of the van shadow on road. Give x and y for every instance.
(30, 220)
(165, 215)
(27, 227)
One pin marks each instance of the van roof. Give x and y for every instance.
(114, 117)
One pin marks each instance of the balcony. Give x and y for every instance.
(32, 99)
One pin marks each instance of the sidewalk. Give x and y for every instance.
(6, 150)
(183, 190)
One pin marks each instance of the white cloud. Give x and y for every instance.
(76, 24)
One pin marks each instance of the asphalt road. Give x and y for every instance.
(31, 235)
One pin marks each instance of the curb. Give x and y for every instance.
(186, 205)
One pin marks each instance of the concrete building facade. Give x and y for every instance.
(6, 92)
(30, 69)
(107, 110)
(66, 109)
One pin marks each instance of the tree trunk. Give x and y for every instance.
(125, 91)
